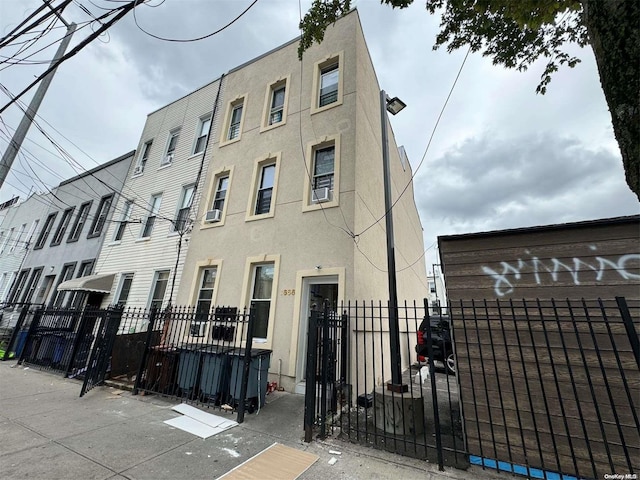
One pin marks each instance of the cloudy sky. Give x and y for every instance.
(501, 156)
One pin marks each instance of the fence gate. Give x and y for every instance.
(326, 375)
(99, 359)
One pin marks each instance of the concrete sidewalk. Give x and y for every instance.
(48, 432)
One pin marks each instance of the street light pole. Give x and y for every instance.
(394, 329)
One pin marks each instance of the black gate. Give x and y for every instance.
(99, 360)
(326, 388)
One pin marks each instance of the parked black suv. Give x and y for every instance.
(441, 342)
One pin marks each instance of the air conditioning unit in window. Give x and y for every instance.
(320, 195)
(168, 159)
(139, 169)
(213, 216)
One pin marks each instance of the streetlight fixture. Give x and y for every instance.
(393, 106)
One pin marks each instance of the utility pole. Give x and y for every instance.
(21, 132)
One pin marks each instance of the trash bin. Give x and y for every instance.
(188, 368)
(214, 376)
(258, 374)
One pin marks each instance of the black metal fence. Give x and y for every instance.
(550, 387)
(204, 358)
(347, 367)
(546, 389)
(13, 332)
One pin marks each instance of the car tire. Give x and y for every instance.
(450, 364)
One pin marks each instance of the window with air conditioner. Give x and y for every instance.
(171, 148)
(143, 158)
(322, 180)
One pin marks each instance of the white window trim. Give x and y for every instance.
(315, 92)
(272, 158)
(139, 159)
(240, 99)
(154, 279)
(224, 171)
(179, 207)
(329, 140)
(201, 121)
(163, 161)
(149, 213)
(127, 211)
(118, 291)
(266, 111)
(248, 291)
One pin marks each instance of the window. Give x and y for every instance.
(124, 220)
(6, 240)
(154, 204)
(66, 274)
(277, 105)
(322, 184)
(123, 290)
(19, 237)
(171, 148)
(327, 83)
(78, 297)
(221, 193)
(81, 219)
(160, 280)
(142, 159)
(31, 233)
(62, 227)
(46, 229)
(203, 133)
(204, 302)
(184, 207)
(101, 216)
(1, 238)
(234, 125)
(323, 162)
(43, 292)
(32, 285)
(261, 297)
(233, 120)
(18, 287)
(265, 189)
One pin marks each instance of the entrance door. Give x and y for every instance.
(316, 292)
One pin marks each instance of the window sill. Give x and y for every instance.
(310, 207)
(207, 225)
(224, 143)
(324, 108)
(165, 166)
(251, 218)
(143, 239)
(136, 175)
(114, 243)
(194, 155)
(266, 128)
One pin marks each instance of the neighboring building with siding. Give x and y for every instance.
(69, 236)
(150, 233)
(287, 218)
(19, 228)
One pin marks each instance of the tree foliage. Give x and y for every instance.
(516, 33)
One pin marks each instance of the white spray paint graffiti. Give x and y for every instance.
(506, 280)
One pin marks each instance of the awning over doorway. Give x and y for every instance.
(90, 283)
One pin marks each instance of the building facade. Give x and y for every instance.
(146, 244)
(292, 210)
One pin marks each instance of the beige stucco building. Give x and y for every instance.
(291, 213)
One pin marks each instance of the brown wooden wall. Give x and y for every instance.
(549, 384)
(561, 379)
(599, 259)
